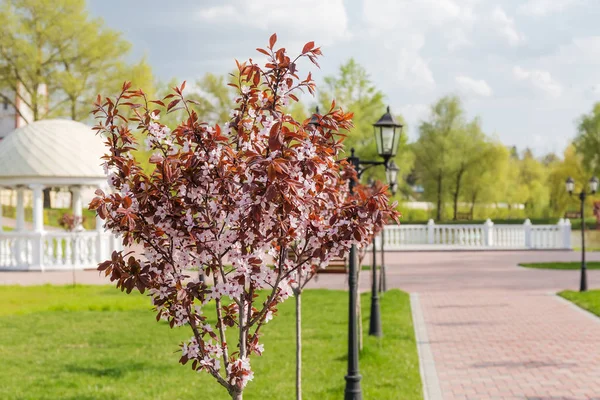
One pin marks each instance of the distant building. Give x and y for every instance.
(10, 119)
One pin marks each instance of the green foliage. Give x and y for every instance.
(571, 165)
(98, 343)
(562, 265)
(52, 216)
(353, 91)
(587, 141)
(57, 44)
(589, 300)
(445, 151)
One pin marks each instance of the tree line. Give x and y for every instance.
(461, 168)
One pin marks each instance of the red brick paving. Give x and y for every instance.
(496, 331)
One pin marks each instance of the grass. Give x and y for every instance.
(7, 228)
(562, 265)
(94, 342)
(52, 216)
(589, 300)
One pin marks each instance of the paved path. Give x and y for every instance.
(488, 329)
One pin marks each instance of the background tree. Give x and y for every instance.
(354, 92)
(434, 160)
(587, 141)
(532, 179)
(468, 152)
(483, 182)
(571, 165)
(56, 58)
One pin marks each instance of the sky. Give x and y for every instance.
(527, 68)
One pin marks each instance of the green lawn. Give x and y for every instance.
(562, 265)
(94, 342)
(52, 216)
(589, 300)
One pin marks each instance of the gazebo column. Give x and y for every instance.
(77, 206)
(38, 208)
(38, 227)
(20, 226)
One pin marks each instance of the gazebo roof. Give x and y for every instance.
(52, 152)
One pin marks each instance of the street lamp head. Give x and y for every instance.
(314, 120)
(570, 184)
(392, 176)
(593, 185)
(387, 135)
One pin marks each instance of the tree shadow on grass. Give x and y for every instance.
(113, 371)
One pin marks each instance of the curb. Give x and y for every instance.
(431, 384)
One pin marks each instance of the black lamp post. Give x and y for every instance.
(387, 137)
(593, 187)
(392, 178)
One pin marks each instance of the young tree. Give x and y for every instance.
(302, 279)
(242, 195)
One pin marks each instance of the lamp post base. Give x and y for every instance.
(583, 283)
(375, 319)
(353, 390)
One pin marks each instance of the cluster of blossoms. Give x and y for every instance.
(255, 206)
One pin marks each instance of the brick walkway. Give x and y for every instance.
(488, 329)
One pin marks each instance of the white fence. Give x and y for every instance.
(52, 250)
(472, 237)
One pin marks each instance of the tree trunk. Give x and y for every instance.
(439, 198)
(455, 200)
(74, 109)
(237, 395)
(473, 199)
(299, 345)
(456, 193)
(47, 200)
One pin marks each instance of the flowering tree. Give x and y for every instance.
(70, 222)
(229, 201)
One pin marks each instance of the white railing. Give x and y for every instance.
(472, 236)
(54, 250)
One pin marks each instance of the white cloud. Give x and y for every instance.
(581, 50)
(412, 69)
(324, 21)
(477, 87)
(505, 26)
(390, 14)
(540, 8)
(539, 79)
(414, 114)
(402, 26)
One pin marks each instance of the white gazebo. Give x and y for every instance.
(52, 153)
